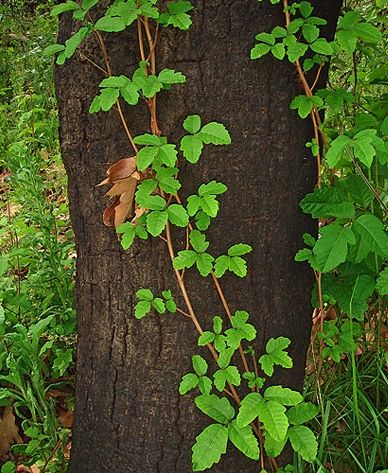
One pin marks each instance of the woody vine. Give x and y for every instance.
(145, 203)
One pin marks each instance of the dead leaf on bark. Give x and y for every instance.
(66, 418)
(27, 469)
(124, 178)
(9, 433)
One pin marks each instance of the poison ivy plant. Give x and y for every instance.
(348, 257)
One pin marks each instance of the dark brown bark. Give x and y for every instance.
(129, 416)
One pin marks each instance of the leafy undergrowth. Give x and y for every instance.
(346, 372)
(37, 318)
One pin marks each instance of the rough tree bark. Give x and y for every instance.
(129, 416)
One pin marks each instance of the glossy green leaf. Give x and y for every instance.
(209, 447)
(244, 440)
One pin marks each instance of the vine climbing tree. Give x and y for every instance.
(161, 101)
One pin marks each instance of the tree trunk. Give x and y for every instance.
(129, 415)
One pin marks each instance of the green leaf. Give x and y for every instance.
(145, 295)
(193, 204)
(216, 408)
(295, 25)
(150, 85)
(167, 155)
(238, 266)
(205, 338)
(368, 33)
(371, 231)
(64, 7)
(249, 409)
(159, 305)
(95, 106)
(310, 32)
(349, 19)
(240, 318)
(303, 255)
(169, 76)
(382, 282)
(202, 220)
(239, 249)
(331, 248)
(285, 396)
(354, 295)
(130, 93)
(266, 38)
(198, 241)
(336, 149)
(220, 380)
(167, 181)
(209, 447)
(177, 215)
(217, 324)
(185, 259)
(358, 190)
(212, 188)
(128, 231)
(302, 413)
(296, 50)
(275, 355)
(273, 417)
(204, 264)
(156, 222)
(199, 365)
(233, 376)
(8, 467)
(108, 98)
(177, 15)
(328, 202)
(305, 105)
(110, 24)
(260, 50)
(142, 308)
(347, 40)
(114, 81)
(210, 205)
(53, 49)
(147, 139)
(88, 4)
(225, 357)
(167, 294)
(191, 146)
(244, 440)
(192, 124)
(279, 51)
(321, 46)
(221, 265)
(189, 381)
(152, 202)
(205, 385)
(273, 447)
(215, 133)
(303, 441)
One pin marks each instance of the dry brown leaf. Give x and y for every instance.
(120, 170)
(124, 178)
(27, 469)
(66, 418)
(9, 433)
